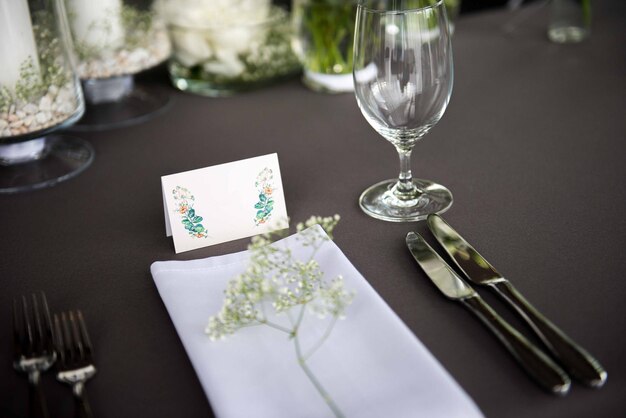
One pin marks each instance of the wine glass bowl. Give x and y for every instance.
(403, 76)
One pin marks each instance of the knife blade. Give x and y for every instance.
(534, 361)
(576, 360)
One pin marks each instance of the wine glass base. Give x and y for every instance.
(379, 202)
(63, 158)
(140, 105)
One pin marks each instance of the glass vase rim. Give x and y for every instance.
(277, 14)
(438, 4)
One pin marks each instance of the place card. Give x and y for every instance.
(225, 202)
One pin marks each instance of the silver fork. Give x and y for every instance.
(33, 347)
(75, 352)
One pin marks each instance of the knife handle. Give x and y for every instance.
(533, 360)
(573, 357)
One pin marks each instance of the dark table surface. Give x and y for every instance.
(532, 147)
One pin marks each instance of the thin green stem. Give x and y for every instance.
(321, 341)
(263, 320)
(300, 317)
(302, 362)
(252, 324)
(277, 326)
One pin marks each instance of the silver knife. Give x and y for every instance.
(534, 361)
(576, 360)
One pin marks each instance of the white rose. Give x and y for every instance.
(191, 47)
(218, 31)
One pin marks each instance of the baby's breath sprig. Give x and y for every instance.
(328, 223)
(37, 74)
(276, 286)
(29, 84)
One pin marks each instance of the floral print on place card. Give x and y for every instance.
(265, 186)
(190, 220)
(224, 202)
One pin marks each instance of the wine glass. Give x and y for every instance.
(403, 78)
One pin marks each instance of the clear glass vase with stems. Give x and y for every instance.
(114, 40)
(40, 95)
(403, 76)
(324, 38)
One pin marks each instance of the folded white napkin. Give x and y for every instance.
(371, 364)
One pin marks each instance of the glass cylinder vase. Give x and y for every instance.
(114, 40)
(570, 21)
(222, 48)
(39, 94)
(324, 38)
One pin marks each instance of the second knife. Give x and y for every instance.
(578, 362)
(534, 361)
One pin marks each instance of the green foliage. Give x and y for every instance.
(34, 82)
(138, 24)
(6, 98)
(265, 206)
(192, 223)
(30, 83)
(190, 220)
(330, 25)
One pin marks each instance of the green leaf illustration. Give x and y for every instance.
(190, 221)
(262, 198)
(258, 206)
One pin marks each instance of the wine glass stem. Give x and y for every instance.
(405, 189)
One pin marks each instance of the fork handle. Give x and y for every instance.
(82, 409)
(36, 399)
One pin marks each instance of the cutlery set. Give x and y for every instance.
(62, 341)
(576, 361)
(38, 345)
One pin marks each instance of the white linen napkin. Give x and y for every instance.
(371, 364)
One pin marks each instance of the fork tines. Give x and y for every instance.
(75, 365)
(72, 340)
(32, 328)
(33, 346)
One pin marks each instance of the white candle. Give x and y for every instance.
(97, 23)
(17, 41)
